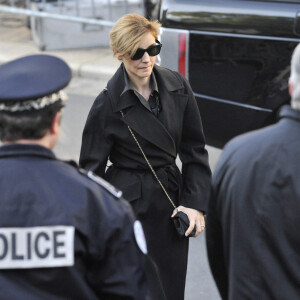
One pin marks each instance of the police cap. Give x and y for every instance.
(32, 82)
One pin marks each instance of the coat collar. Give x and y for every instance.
(116, 86)
(128, 84)
(168, 79)
(288, 112)
(15, 150)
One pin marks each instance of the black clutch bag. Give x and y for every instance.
(182, 223)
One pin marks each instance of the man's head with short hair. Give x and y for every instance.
(294, 82)
(28, 126)
(31, 98)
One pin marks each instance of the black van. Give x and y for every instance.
(236, 55)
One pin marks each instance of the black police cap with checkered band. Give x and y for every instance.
(32, 82)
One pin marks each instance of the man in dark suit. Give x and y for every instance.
(253, 219)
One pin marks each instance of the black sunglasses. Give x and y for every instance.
(152, 51)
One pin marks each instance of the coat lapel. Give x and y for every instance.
(139, 118)
(150, 128)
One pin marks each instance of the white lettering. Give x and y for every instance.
(36, 247)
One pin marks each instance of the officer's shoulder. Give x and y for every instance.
(103, 183)
(100, 181)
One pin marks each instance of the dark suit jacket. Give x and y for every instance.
(253, 217)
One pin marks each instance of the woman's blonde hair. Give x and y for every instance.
(128, 31)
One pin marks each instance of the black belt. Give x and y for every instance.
(169, 175)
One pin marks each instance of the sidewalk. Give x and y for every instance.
(15, 42)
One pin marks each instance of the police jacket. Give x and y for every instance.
(253, 218)
(63, 236)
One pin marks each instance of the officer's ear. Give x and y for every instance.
(55, 125)
(291, 88)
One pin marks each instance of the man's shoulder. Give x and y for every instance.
(247, 148)
(253, 139)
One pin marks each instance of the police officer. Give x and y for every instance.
(64, 234)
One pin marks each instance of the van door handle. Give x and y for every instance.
(297, 24)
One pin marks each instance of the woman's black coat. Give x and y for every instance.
(177, 130)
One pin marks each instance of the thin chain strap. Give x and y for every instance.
(154, 173)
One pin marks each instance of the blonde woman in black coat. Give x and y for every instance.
(159, 106)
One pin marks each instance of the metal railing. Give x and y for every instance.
(25, 8)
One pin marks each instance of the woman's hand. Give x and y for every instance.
(196, 218)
